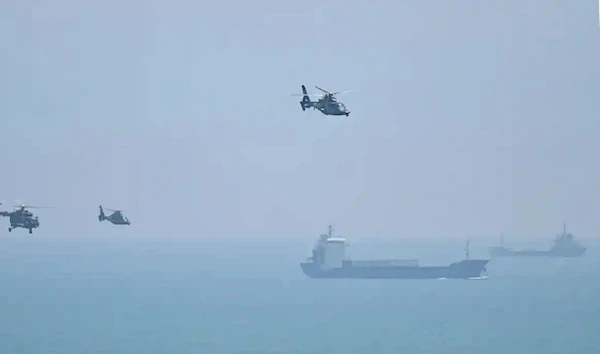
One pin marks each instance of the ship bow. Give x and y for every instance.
(472, 268)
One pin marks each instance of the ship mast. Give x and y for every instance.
(467, 250)
(330, 231)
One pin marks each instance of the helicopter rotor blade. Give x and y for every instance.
(333, 93)
(342, 92)
(322, 90)
(113, 209)
(309, 95)
(32, 206)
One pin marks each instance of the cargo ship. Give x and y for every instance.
(564, 245)
(329, 261)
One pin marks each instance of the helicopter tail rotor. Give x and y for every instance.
(101, 216)
(306, 102)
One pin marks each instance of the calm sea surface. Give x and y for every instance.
(119, 295)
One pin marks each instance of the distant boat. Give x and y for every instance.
(329, 261)
(564, 246)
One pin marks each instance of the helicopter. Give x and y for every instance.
(22, 218)
(326, 104)
(116, 217)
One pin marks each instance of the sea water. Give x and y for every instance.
(184, 295)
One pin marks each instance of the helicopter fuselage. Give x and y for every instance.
(115, 218)
(329, 108)
(20, 219)
(334, 109)
(118, 220)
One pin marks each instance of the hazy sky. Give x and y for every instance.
(470, 117)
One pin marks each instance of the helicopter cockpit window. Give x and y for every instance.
(341, 106)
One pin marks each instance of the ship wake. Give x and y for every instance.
(483, 277)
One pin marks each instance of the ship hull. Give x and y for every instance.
(459, 270)
(506, 252)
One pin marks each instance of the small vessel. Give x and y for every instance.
(564, 245)
(329, 261)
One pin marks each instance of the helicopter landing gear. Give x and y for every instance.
(10, 229)
(30, 230)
